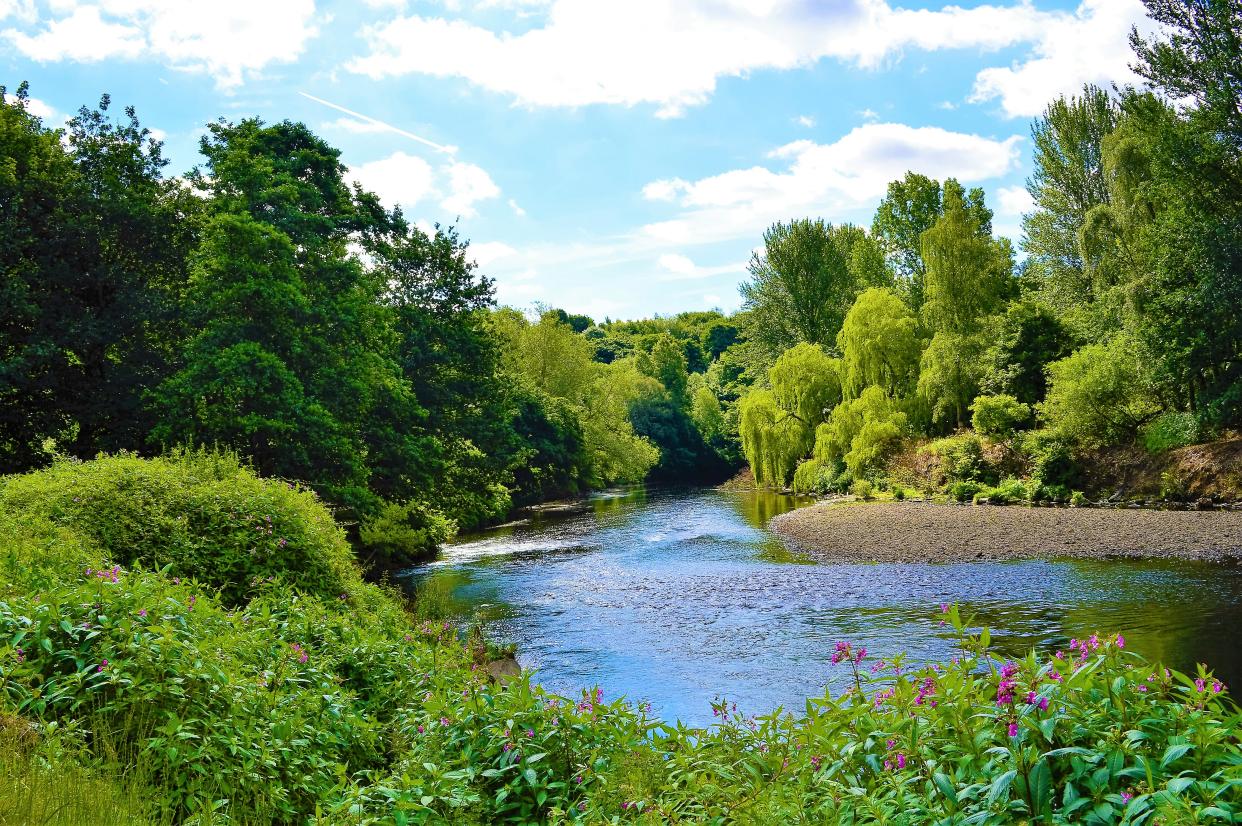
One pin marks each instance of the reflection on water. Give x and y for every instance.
(679, 596)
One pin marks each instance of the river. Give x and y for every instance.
(680, 596)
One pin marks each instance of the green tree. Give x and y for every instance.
(1069, 182)
(880, 344)
(968, 273)
(1099, 394)
(1028, 337)
(909, 209)
(949, 375)
(666, 363)
(801, 284)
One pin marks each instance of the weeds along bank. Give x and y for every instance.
(159, 622)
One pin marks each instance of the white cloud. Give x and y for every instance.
(40, 109)
(407, 180)
(227, 39)
(485, 253)
(1014, 201)
(517, 210)
(680, 267)
(21, 9)
(467, 185)
(1090, 46)
(824, 179)
(948, 105)
(805, 120)
(357, 127)
(400, 179)
(869, 115)
(671, 53)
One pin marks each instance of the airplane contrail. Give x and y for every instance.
(448, 150)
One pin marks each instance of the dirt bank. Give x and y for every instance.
(925, 532)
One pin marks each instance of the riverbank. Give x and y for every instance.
(929, 532)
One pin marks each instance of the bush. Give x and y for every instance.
(862, 489)
(899, 493)
(1099, 396)
(962, 460)
(197, 514)
(1000, 416)
(405, 533)
(1078, 499)
(1052, 459)
(1169, 431)
(1009, 491)
(965, 491)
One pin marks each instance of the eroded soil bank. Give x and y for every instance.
(927, 532)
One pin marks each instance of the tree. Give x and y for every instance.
(949, 375)
(861, 433)
(999, 416)
(1098, 395)
(666, 363)
(93, 249)
(801, 284)
(880, 345)
(1069, 182)
(909, 209)
(968, 274)
(1028, 337)
(1201, 60)
(777, 426)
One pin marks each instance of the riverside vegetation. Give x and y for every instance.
(166, 659)
(221, 391)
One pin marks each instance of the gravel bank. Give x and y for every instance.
(925, 532)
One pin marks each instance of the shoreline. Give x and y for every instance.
(907, 532)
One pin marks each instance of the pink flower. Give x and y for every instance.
(102, 666)
(1121, 641)
(1013, 729)
(901, 761)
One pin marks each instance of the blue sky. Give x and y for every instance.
(613, 158)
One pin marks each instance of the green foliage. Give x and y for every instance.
(1007, 492)
(199, 515)
(801, 285)
(861, 433)
(962, 459)
(910, 208)
(1171, 430)
(1028, 337)
(999, 416)
(880, 344)
(1052, 459)
(968, 274)
(951, 368)
(404, 533)
(862, 489)
(1098, 395)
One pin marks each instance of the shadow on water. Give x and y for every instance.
(678, 596)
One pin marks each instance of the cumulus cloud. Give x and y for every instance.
(1090, 46)
(678, 267)
(489, 251)
(805, 120)
(408, 181)
(824, 179)
(227, 39)
(1014, 201)
(671, 53)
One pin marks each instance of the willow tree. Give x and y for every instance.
(879, 344)
(777, 425)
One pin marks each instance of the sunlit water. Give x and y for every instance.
(681, 596)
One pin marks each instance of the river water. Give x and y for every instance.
(680, 596)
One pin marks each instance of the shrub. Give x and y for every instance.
(1078, 499)
(962, 459)
(899, 493)
(965, 491)
(1169, 431)
(1052, 459)
(198, 514)
(862, 489)
(1098, 395)
(1009, 491)
(999, 416)
(405, 533)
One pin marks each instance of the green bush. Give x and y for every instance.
(1169, 431)
(1078, 499)
(1007, 492)
(1052, 459)
(404, 533)
(862, 489)
(965, 491)
(961, 459)
(1099, 395)
(198, 514)
(999, 416)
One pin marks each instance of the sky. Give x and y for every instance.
(618, 159)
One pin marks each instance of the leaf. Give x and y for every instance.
(945, 785)
(1173, 753)
(1180, 784)
(1041, 785)
(1000, 786)
(530, 776)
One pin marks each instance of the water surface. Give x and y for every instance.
(680, 596)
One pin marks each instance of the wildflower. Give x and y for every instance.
(102, 666)
(815, 761)
(1142, 688)
(530, 732)
(1200, 685)
(1217, 686)
(944, 607)
(444, 721)
(1121, 641)
(20, 654)
(1125, 798)
(1013, 729)
(508, 747)
(142, 612)
(890, 742)
(1043, 703)
(901, 761)
(420, 728)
